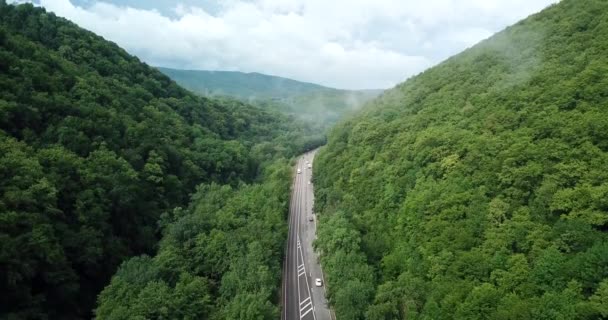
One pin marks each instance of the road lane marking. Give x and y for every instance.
(299, 206)
(309, 304)
(301, 252)
(305, 313)
(297, 227)
(308, 307)
(303, 301)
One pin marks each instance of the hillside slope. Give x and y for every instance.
(306, 101)
(240, 84)
(94, 147)
(477, 189)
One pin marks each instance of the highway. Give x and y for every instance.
(302, 299)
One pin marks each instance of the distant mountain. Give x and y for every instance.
(239, 84)
(305, 100)
(96, 151)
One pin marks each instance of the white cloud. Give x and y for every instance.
(340, 43)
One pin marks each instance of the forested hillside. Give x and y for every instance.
(220, 258)
(96, 151)
(307, 101)
(478, 189)
(240, 84)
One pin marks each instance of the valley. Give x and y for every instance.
(303, 294)
(317, 105)
(475, 188)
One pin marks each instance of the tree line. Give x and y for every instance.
(97, 149)
(477, 189)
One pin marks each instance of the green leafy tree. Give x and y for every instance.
(97, 149)
(476, 189)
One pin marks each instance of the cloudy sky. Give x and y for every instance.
(351, 44)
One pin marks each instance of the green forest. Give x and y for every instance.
(219, 258)
(106, 162)
(477, 189)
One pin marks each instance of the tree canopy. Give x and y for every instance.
(97, 148)
(219, 258)
(477, 189)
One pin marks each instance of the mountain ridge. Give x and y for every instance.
(273, 80)
(307, 101)
(98, 154)
(473, 190)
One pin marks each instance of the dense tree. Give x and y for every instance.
(96, 150)
(227, 244)
(476, 190)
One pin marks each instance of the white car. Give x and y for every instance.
(318, 282)
(311, 218)
(299, 171)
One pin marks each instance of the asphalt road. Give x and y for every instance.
(302, 300)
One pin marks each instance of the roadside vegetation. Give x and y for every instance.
(477, 189)
(98, 153)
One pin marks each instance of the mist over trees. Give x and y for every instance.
(317, 105)
(477, 189)
(96, 151)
